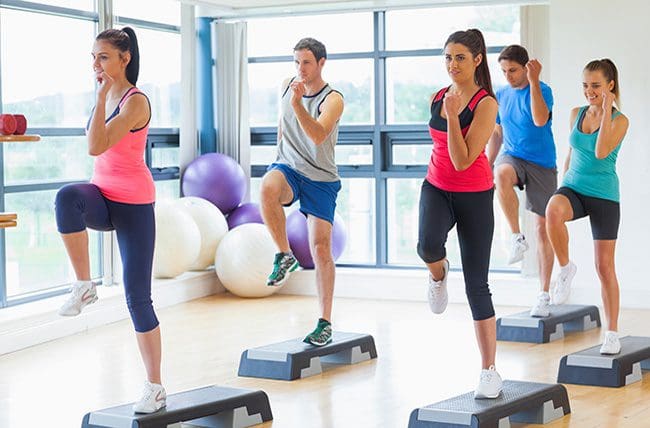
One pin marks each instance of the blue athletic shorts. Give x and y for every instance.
(317, 198)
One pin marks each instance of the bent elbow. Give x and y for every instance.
(460, 166)
(94, 151)
(601, 156)
(320, 139)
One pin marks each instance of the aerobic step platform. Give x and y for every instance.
(589, 367)
(521, 327)
(527, 402)
(294, 359)
(208, 407)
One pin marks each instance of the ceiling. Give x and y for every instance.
(251, 8)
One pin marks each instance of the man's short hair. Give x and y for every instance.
(516, 53)
(316, 47)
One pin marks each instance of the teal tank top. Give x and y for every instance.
(587, 174)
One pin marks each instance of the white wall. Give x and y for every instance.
(582, 30)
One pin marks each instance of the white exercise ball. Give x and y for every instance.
(212, 228)
(178, 240)
(244, 260)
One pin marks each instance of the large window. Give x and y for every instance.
(53, 86)
(387, 73)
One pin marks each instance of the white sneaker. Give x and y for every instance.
(437, 291)
(490, 384)
(153, 398)
(562, 288)
(543, 306)
(518, 246)
(611, 345)
(83, 294)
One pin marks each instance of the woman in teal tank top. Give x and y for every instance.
(590, 188)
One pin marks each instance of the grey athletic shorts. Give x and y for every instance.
(540, 183)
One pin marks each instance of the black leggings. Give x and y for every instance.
(473, 215)
(82, 205)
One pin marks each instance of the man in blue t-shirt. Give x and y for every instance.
(526, 158)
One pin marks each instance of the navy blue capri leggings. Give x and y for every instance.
(79, 206)
(473, 215)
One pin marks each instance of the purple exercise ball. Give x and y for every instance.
(217, 178)
(245, 213)
(299, 240)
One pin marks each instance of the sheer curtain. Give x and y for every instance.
(233, 130)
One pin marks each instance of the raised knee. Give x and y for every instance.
(430, 253)
(269, 193)
(504, 177)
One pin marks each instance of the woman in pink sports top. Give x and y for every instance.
(120, 197)
(458, 191)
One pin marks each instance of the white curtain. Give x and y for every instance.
(231, 92)
(535, 38)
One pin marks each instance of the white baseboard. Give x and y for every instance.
(38, 322)
(508, 289)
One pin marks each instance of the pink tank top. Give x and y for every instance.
(121, 173)
(441, 172)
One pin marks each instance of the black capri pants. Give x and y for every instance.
(473, 215)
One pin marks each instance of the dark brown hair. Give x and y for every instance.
(313, 45)
(124, 40)
(515, 53)
(473, 40)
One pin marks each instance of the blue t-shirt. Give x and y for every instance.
(521, 137)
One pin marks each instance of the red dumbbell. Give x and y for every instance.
(21, 124)
(7, 124)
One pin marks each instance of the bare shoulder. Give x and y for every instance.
(334, 97)
(137, 101)
(622, 119)
(487, 104)
(333, 103)
(433, 96)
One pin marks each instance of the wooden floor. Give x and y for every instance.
(422, 359)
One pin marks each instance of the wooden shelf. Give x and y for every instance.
(18, 138)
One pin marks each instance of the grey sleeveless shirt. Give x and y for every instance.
(296, 149)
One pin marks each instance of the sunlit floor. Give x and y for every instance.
(422, 359)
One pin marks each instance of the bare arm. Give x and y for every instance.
(464, 151)
(572, 121)
(611, 131)
(102, 136)
(538, 107)
(567, 161)
(494, 144)
(319, 129)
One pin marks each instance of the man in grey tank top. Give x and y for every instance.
(305, 170)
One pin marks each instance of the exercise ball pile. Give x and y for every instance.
(244, 260)
(220, 229)
(297, 232)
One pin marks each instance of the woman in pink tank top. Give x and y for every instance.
(120, 197)
(458, 191)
